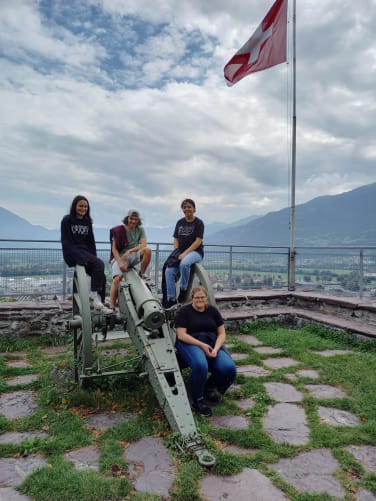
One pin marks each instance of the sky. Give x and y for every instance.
(124, 101)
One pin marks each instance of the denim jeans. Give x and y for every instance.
(222, 369)
(184, 269)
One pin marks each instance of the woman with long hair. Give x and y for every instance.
(78, 243)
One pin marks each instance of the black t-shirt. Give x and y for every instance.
(187, 231)
(198, 321)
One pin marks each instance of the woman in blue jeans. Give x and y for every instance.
(200, 341)
(188, 237)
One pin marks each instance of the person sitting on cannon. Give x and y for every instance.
(188, 248)
(128, 248)
(78, 245)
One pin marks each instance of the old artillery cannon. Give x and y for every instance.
(151, 330)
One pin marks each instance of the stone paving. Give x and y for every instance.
(152, 469)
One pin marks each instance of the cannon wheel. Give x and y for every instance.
(199, 276)
(82, 326)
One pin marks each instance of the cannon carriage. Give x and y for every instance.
(151, 329)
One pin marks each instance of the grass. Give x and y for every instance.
(62, 407)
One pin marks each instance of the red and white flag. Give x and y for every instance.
(265, 48)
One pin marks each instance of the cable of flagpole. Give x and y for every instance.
(292, 253)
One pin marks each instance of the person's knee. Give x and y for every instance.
(117, 279)
(184, 267)
(199, 366)
(99, 264)
(229, 371)
(146, 253)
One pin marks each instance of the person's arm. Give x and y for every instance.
(141, 245)
(191, 248)
(92, 248)
(72, 254)
(199, 233)
(220, 341)
(183, 336)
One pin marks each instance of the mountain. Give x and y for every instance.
(345, 219)
(164, 234)
(15, 227)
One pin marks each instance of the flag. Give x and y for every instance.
(265, 48)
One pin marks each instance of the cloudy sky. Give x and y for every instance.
(124, 101)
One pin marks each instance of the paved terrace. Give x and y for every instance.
(152, 469)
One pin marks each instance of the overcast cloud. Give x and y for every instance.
(124, 101)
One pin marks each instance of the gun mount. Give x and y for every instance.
(151, 330)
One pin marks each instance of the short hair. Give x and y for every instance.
(188, 201)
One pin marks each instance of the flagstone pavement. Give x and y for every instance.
(151, 468)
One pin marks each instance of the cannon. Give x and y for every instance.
(151, 329)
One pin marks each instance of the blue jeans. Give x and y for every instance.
(222, 369)
(184, 269)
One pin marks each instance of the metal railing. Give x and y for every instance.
(32, 268)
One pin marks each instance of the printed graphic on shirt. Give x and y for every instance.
(185, 231)
(80, 229)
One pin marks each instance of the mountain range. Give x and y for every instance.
(344, 219)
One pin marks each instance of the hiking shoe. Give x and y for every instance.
(171, 303)
(211, 396)
(201, 408)
(182, 295)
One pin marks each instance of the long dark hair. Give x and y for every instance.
(74, 203)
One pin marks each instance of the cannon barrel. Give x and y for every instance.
(148, 308)
(141, 311)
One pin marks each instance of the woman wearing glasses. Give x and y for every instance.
(200, 341)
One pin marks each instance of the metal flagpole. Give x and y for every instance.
(291, 278)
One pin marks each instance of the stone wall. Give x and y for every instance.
(34, 318)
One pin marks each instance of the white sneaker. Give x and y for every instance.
(99, 306)
(106, 310)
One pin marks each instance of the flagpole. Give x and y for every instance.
(291, 284)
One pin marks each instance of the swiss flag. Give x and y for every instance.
(265, 48)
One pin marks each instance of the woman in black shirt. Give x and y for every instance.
(200, 341)
(188, 244)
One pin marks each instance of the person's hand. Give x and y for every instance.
(182, 256)
(214, 352)
(123, 267)
(209, 351)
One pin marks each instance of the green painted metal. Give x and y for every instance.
(82, 325)
(152, 332)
